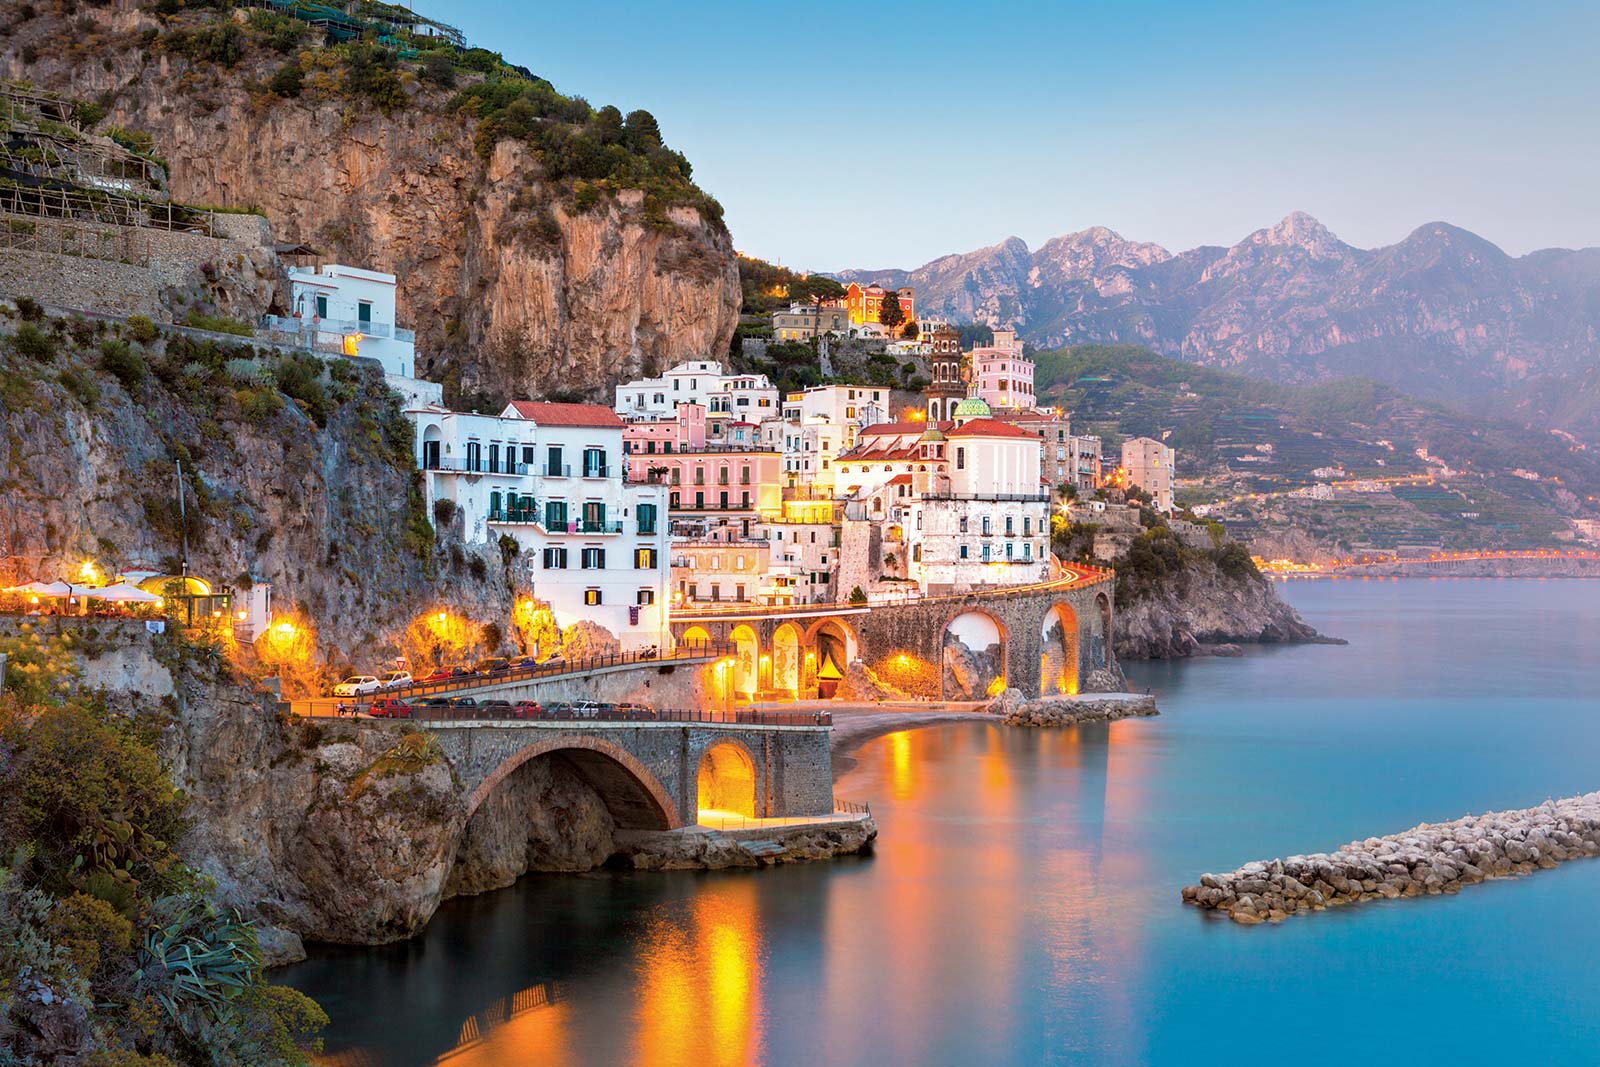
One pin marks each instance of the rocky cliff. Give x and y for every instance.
(1443, 314)
(292, 470)
(512, 286)
(1200, 609)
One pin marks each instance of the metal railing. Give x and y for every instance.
(479, 466)
(616, 713)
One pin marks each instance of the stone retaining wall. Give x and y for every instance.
(1426, 860)
(1017, 710)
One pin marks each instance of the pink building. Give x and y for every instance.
(686, 430)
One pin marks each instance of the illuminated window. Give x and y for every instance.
(591, 596)
(644, 558)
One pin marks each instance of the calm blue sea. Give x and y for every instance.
(1022, 904)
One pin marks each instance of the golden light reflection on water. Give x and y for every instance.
(699, 994)
(530, 1026)
(898, 746)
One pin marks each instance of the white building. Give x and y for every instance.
(1148, 464)
(822, 423)
(351, 311)
(744, 397)
(552, 477)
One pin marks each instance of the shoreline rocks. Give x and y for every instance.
(1017, 710)
(705, 849)
(1427, 860)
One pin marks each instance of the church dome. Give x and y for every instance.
(931, 434)
(971, 408)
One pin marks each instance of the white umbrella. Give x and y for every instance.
(122, 593)
(50, 589)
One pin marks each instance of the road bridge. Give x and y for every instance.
(657, 775)
(1052, 637)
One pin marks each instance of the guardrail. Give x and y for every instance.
(611, 713)
(689, 650)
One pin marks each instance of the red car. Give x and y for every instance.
(444, 674)
(389, 708)
(527, 709)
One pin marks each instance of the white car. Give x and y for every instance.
(357, 685)
(395, 679)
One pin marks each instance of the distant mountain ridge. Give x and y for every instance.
(1443, 313)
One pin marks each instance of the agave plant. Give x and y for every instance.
(197, 958)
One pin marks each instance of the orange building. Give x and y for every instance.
(866, 302)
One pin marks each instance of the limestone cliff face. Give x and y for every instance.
(1199, 607)
(502, 302)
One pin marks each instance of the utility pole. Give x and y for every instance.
(183, 522)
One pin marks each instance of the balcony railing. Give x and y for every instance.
(556, 470)
(304, 326)
(478, 466)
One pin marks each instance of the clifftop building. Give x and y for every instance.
(865, 302)
(1148, 464)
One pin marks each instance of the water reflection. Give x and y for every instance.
(1021, 907)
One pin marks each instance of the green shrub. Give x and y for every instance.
(30, 342)
(299, 376)
(118, 359)
(142, 329)
(287, 80)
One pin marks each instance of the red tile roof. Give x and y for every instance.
(883, 429)
(990, 428)
(899, 479)
(548, 414)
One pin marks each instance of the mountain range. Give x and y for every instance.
(1442, 314)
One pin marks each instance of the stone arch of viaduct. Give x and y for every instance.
(903, 643)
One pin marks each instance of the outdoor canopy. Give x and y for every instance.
(122, 593)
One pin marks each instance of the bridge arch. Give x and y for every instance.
(695, 635)
(1058, 651)
(725, 781)
(973, 649)
(831, 645)
(634, 796)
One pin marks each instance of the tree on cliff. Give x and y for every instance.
(890, 313)
(642, 130)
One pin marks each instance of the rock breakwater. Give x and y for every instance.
(1426, 860)
(1018, 710)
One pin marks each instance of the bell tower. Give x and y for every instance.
(949, 384)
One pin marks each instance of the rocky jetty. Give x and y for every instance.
(1018, 710)
(1426, 860)
(705, 849)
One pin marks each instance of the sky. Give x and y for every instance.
(884, 135)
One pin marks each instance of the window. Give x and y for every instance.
(474, 456)
(322, 306)
(494, 459)
(744, 475)
(722, 500)
(1027, 526)
(722, 475)
(364, 311)
(986, 525)
(644, 559)
(594, 463)
(529, 454)
(553, 467)
(694, 591)
(647, 518)
(716, 591)
(594, 559)
(961, 459)
(962, 552)
(1027, 550)
(594, 517)
(555, 559)
(494, 505)
(646, 597)
(699, 501)
(555, 514)
(1008, 525)
(963, 524)
(591, 596)
(986, 553)
(738, 592)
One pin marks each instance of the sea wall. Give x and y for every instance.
(1428, 860)
(1018, 710)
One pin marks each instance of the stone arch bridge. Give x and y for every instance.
(1053, 636)
(657, 775)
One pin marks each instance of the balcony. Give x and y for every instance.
(556, 470)
(448, 464)
(597, 472)
(529, 516)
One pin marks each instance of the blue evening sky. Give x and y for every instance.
(875, 135)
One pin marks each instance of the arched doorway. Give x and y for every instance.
(695, 635)
(725, 784)
(833, 646)
(746, 660)
(786, 659)
(1100, 638)
(974, 656)
(1058, 652)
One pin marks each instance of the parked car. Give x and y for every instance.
(390, 708)
(435, 702)
(445, 674)
(497, 665)
(586, 709)
(524, 661)
(497, 707)
(636, 712)
(463, 702)
(527, 709)
(357, 685)
(561, 709)
(555, 663)
(396, 679)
